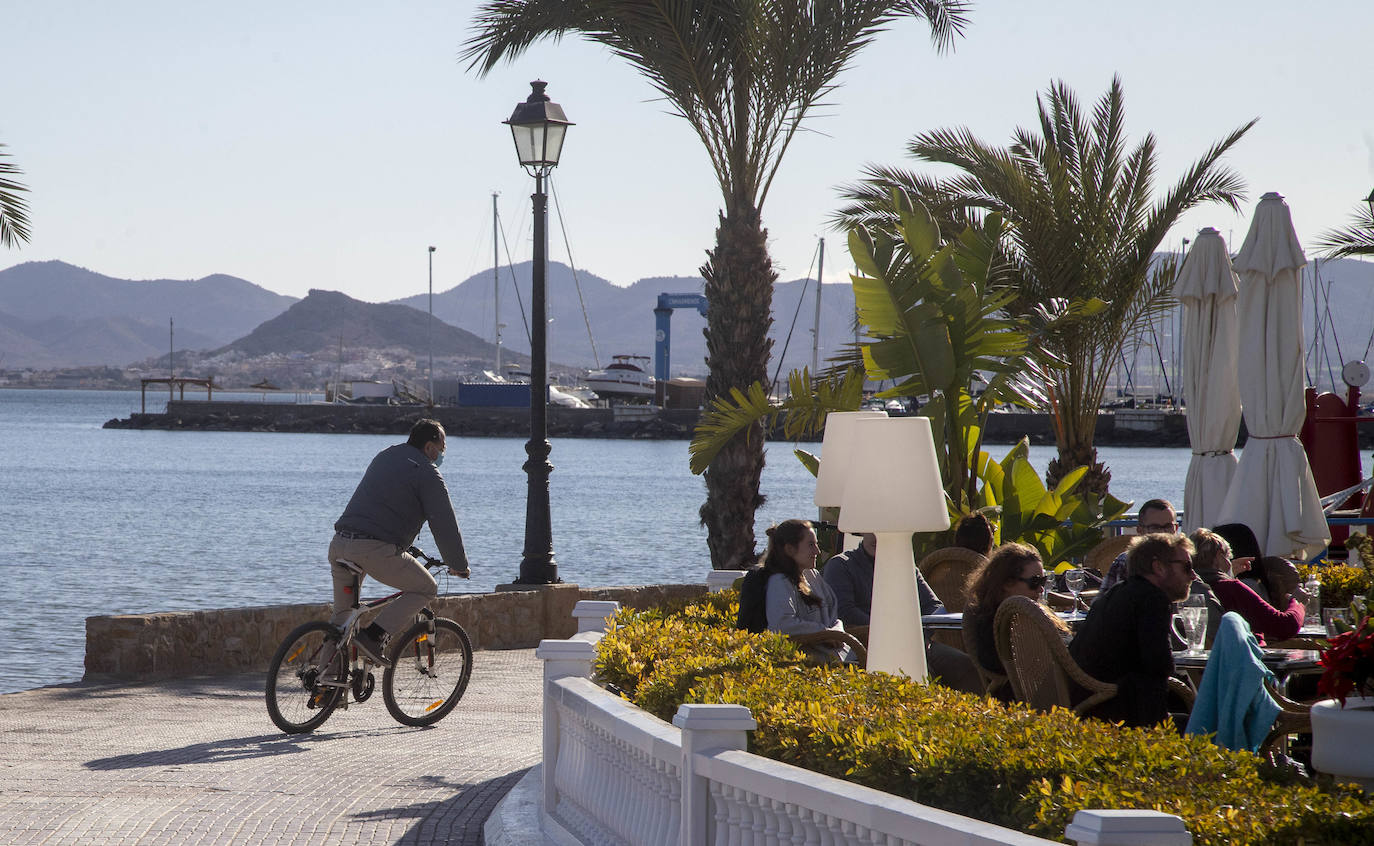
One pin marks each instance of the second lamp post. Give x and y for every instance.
(538, 126)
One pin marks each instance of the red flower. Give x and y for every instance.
(1349, 662)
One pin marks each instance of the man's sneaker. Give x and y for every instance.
(371, 647)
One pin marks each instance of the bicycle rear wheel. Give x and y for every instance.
(429, 672)
(305, 678)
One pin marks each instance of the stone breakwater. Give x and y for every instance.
(1122, 428)
(201, 415)
(148, 647)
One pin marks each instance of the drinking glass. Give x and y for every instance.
(1193, 613)
(1074, 580)
(1337, 620)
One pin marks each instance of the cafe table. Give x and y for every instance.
(1285, 663)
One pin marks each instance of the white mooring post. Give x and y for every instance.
(706, 728)
(1127, 828)
(592, 614)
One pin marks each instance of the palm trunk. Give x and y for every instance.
(739, 298)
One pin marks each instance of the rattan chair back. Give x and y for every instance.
(1100, 557)
(1039, 667)
(947, 571)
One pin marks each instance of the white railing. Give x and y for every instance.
(613, 774)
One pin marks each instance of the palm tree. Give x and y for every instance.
(743, 74)
(1083, 227)
(14, 219)
(1357, 239)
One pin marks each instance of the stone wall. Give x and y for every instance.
(232, 640)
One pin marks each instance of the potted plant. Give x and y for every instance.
(1343, 726)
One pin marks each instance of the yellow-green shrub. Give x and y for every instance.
(1340, 582)
(971, 755)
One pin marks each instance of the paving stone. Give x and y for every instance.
(198, 762)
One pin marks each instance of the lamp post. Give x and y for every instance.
(538, 126)
(429, 332)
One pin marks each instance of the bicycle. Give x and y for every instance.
(317, 666)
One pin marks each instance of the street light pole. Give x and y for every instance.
(430, 331)
(538, 127)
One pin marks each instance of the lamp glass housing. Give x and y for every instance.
(538, 127)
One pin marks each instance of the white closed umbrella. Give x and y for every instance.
(1273, 491)
(1206, 289)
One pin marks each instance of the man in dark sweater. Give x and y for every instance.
(401, 491)
(1126, 637)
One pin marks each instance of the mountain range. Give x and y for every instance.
(55, 315)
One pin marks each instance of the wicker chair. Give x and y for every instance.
(992, 682)
(947, 572)
(1039, 667)
(1042, 672)
(1100, 557)
(1293, 718)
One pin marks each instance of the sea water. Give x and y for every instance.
(112, 521)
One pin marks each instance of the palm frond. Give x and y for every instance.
(1357, 239)
(14, 209)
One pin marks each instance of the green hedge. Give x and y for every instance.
(974, 756)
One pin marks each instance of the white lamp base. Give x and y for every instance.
(896, 643)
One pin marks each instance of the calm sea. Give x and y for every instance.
(99, 521)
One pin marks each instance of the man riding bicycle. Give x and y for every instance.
(401, 491)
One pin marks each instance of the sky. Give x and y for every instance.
(327, 145)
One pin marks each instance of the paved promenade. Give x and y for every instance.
(198, 762)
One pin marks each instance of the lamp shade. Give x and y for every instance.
(538, 127)
(897, 476)
(836, 448)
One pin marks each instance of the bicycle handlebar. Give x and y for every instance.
(435, 563)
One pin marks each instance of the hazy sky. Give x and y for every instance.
(325, 145)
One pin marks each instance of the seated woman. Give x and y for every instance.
(1244, 546)
(1013, 569)
(1277, 619)
(799, 601)
(974, 531)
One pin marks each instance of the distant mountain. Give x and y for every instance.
(622, 319)
(318, 323)
(61, 315)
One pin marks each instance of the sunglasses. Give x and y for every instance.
(1036, 582)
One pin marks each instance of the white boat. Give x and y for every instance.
(622, 379)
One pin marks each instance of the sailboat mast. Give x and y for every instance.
(816, 330)
(496, 278)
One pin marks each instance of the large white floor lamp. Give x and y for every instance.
(835, 454)
(892, 489)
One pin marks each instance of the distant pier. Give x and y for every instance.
(1130, 427)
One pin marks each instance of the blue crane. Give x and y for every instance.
(663, 322)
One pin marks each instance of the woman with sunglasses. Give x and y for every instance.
(1014, 569)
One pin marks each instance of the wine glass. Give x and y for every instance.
(1074, 580)
(1193, 613)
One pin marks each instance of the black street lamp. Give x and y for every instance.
(1370, 200)
(538, 126)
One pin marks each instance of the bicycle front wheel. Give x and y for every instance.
(306, 677)
(429, 672)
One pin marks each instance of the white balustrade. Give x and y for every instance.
(613, 774)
